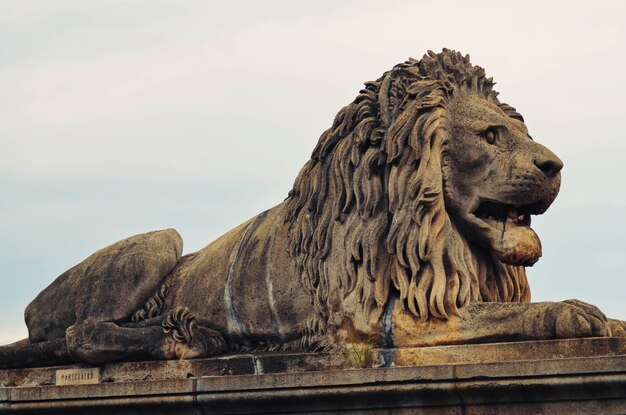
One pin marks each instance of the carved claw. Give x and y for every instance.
(590, 309)
(180, 324)
(212, 341)
(574, 318)
(190, 340)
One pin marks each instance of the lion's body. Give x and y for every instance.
(408, 224)
(239, 283)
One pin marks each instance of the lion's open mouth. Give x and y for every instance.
(499, 214)
(507, 230)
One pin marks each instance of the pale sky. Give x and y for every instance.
(121, 117)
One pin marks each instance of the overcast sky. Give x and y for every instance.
(121, 117)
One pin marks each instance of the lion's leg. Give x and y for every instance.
(174, 335)
(109, 285)
(487, 322)
(25, 354)
(617, 328)
(94, 342)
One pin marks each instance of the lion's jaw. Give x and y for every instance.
(495, 178)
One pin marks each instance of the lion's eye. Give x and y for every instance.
(490, 135)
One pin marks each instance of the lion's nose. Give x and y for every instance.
(549, 164)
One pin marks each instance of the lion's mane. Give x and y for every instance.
(369, 209)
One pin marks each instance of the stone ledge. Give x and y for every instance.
(586, 375)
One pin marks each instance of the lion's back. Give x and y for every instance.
(198, 280)
(244, 283)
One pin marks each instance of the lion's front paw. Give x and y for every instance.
(590, 309)
(574, 318)
(86, 341)
(618, 327)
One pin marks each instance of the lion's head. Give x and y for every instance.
(495, 177)
(425, 183)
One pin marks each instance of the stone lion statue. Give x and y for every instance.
(409, 225)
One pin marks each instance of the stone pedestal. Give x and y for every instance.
(560, 377)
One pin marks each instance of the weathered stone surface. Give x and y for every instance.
(409, 226)
(99, 287)
(581, 376)
(279, 362)
(287, 362)
(104, 287)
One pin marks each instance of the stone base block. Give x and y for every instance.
(558, 377)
